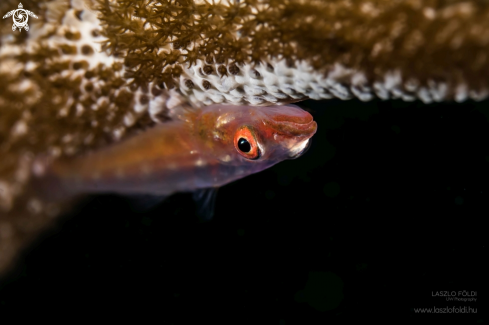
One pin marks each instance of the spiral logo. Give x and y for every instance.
(20, 17)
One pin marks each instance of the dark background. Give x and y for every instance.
(387, 208)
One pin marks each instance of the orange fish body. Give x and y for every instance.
(203, 148)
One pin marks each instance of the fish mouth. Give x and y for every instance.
(302, 150)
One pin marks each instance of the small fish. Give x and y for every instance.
(199, 149)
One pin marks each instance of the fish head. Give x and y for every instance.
(254, 138)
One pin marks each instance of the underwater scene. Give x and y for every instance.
(244, 161)
(383, 211)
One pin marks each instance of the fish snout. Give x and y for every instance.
(293, 128)
(291, 121)
(289, 113)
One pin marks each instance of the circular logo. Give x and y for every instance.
(20, 18)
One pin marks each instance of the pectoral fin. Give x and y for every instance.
(144, 202)
(205, 200)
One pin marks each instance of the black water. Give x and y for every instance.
(384, 213)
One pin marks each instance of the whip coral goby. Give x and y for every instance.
(89, 73)
(209, 147)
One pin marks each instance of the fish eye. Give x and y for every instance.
(245, 143)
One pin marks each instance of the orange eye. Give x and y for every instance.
(245, 143)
